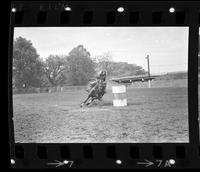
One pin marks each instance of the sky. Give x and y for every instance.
(167, 47)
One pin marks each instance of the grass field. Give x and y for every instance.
(152, 115)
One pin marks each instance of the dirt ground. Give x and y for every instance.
(152, 116)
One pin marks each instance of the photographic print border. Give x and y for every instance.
(110, 155)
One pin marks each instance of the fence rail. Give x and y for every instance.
(47, 89)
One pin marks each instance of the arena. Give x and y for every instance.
(153, 115)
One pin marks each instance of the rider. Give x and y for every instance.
(97, 88)
(101, 77)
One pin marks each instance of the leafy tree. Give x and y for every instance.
(54, 70)
(79, 66)
(27, 66)
(125, 69)
(105, 62)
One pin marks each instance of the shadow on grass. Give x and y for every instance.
(106, 104)
(111, 104)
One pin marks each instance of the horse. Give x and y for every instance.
(96, 93)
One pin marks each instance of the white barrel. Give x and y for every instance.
(119, 95)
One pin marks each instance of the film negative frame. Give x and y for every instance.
(110, 155)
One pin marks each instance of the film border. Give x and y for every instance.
(24, 155)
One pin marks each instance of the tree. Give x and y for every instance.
(54, 70)
(79, 66)
(104, 62)
(114, 69)
(27, 66)
(120, 69)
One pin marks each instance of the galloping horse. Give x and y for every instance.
(96, 93)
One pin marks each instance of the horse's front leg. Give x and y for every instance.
(84, 102)
(90, 101)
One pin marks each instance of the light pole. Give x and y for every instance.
(148, 71)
